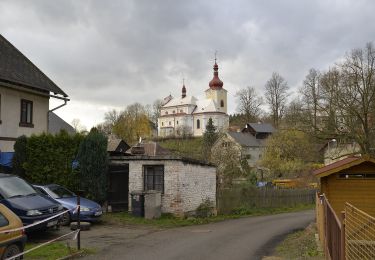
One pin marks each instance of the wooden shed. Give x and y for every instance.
(349, 180)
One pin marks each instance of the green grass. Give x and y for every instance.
(189, 147)
(169, 221)
(53, 251)
(300, 245)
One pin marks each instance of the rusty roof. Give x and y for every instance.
(342, 165)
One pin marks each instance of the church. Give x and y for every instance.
(188, 116)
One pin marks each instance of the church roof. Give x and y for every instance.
(179, 101)
(205, 105)
(15, 68)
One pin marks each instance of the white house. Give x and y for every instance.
(24, 96)
(187, 115)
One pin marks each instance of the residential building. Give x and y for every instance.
(188, 115)
(335, 150)
(56, 124)
(24, 96)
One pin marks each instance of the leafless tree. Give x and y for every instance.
(78, 127)
(249, 104)
(276, 96)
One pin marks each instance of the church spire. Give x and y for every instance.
(216, 83)
(183, 89)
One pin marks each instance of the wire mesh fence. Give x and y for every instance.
(359, 234)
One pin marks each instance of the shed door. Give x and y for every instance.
(118, 187)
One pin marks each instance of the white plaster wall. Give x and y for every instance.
(10, 115)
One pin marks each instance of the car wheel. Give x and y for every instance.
(65, 219)
(12, 250)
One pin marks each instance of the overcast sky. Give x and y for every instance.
(109, 54)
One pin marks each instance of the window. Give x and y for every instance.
(198, 124)
(356, 176)
(162, 123)
(166, 112)
(222, 103)
(3, 221)
(26, 113)
(174, 111)
(177, 122)
(170, 123)
(181, 111)
(154, 177)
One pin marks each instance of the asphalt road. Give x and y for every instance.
(246, 238)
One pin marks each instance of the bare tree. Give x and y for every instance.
(111, 117)
(311, 97)
(276, 96)
(249, 104)
(78, 127)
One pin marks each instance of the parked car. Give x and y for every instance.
(11, 243)
(90, 210)
(27, 203)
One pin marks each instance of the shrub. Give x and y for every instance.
(205, 209)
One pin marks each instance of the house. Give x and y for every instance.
(249, 142)
(56, 124)
(188, 115)
(335, 150)
(349, 180)
(25, 92)
(184, 183)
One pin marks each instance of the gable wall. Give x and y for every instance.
(10, 116)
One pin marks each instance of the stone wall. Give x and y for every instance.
(186, 185)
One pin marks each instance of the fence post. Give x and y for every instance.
(342, 239)
(325, 226)
(79, 222)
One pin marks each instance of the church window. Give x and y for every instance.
(174, 111)
(198, 124)
(166, 112)
(181, 111)
(222, 103)
(162, 123)
(170, 123)
(177, 122)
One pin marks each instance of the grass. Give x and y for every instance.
(53, 251)
(189, 147)
(169, 221)
(300, 245)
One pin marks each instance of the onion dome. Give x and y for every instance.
(216, 83)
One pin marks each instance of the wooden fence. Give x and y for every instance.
(249, 197)
(350, 237)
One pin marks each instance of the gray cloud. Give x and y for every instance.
(112, 53)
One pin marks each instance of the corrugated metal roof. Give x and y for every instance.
(16, 68)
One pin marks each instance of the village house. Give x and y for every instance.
(184, 183)
(187, 115)
(24, 97)
(335, 150)
(249, 143)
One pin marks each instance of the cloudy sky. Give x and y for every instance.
(109, 54)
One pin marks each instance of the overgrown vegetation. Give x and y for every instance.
(188, 147)
(93, 163)
(300, 245)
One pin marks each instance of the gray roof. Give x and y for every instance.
(245, 139)
(15, 68)
(56, 124)
(262, 127)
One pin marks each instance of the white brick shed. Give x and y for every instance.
(185, 183)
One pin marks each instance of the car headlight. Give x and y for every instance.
(60, 208)
(83, 209)
(33, 212)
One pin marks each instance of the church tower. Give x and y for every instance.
(216, 92)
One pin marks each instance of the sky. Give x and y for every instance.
(109, 54)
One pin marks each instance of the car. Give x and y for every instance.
(11, 243)
(90, 210)
(20, 197)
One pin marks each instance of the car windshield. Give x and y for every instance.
(58, 192)
(13, 187)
